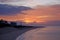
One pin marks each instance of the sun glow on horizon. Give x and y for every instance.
(34, 19)
(37, 15)
(25, 18)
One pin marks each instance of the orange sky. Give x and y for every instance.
(39, 14)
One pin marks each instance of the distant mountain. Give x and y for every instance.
(9, 9)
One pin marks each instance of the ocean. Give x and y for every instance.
(47, 33)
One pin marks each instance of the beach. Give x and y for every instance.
(10, 33)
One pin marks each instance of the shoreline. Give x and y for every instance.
(14, 33)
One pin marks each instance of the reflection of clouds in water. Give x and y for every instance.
(28, 35)
(48, 33)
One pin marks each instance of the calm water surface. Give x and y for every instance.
(48, 33)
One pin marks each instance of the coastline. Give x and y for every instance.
(10, 33)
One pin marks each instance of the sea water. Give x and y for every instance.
(47, 33)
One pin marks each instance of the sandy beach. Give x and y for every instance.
(10, 33)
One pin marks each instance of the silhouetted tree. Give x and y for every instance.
(3, 23)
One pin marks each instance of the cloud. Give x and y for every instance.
(30, 3)
(40, 14)
(9, 0)
(45, 13)
(11, 10)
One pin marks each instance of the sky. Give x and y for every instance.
(43, 11)
(30, 3)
